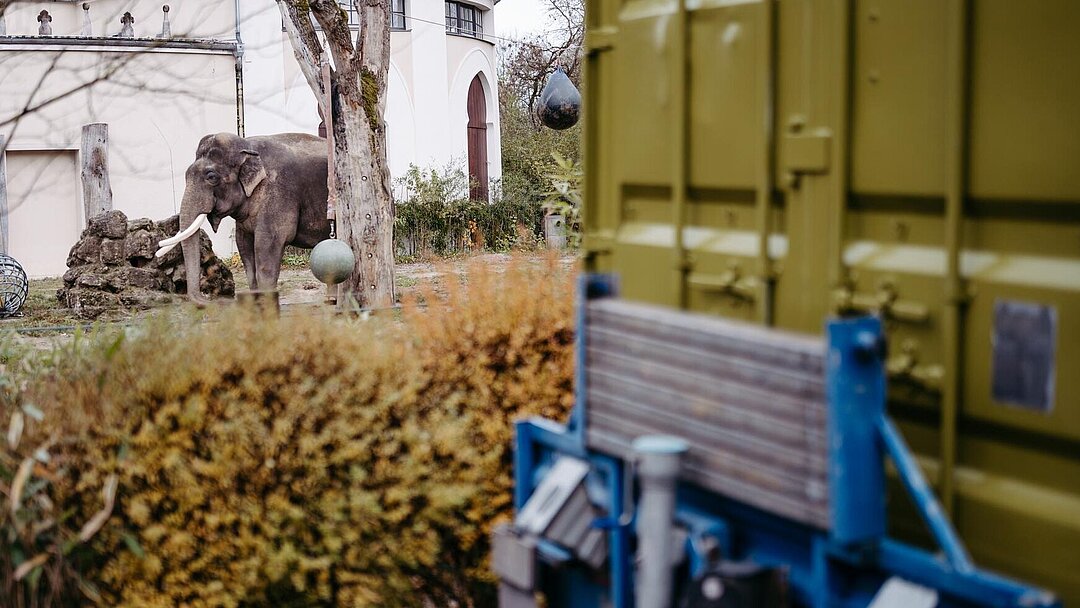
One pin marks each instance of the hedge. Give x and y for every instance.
(291, 462)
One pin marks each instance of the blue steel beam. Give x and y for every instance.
(924, 498)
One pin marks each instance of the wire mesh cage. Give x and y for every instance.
(13, 286)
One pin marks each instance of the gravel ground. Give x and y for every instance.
(298, 290)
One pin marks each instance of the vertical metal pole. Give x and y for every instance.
(766, 73)
(952, 324)
(3, 195)
(838, 109)
(589, 287)
(523, 463)
(332, 291)
(680, 112)
(855, 387)
(659, 458)
(328, 119)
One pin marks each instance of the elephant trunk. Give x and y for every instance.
(192, 266)
(191, 219)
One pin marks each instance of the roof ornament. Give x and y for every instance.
(44, 24)
(127, 31)
(87, 27)
(166, 29)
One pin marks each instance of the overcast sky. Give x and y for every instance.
(519, 17)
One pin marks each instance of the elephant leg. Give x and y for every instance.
(245, 245)
(269, 249)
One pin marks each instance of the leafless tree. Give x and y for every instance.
(358, 92)
(526, 64)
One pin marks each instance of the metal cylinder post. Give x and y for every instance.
(658, 461)
(855, 385)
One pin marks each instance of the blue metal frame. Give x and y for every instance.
(843, 566)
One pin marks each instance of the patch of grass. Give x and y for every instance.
(295, 258)
(41, 308)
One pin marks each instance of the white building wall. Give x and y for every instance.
(162, 101)
(465, 59)
(157, 106)
(427, 91)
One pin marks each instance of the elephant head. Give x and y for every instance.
(225, 174)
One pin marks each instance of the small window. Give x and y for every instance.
(397, 14)
(464, 19)
(354, 17)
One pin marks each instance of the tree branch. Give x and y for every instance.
(305, 44)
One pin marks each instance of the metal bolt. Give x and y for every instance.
(869, 347)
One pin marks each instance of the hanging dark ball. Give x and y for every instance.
(560, 102)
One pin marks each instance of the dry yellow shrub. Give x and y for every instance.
(311, 462)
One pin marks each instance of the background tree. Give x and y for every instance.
(524, 68)
(358, 84)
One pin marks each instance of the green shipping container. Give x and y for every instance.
(779, 161)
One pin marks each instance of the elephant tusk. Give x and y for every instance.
(166, 249)
(182, 236)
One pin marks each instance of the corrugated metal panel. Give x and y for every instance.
(751, 405)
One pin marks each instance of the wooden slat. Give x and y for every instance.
(749, 401)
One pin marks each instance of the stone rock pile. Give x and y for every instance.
(113, 266)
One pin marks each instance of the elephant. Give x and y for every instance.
(275, 188)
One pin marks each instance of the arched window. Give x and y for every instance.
(477, 131)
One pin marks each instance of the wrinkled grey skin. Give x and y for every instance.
(273, 186)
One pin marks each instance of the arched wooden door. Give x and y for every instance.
(477, 130)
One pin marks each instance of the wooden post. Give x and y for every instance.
(97, 193)
(3, 195)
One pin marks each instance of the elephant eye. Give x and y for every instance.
(213, 178)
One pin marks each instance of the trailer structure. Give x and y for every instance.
(716, 463)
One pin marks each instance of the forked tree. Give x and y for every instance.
(360, 68)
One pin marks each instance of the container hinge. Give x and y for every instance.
(906, 368)
(599, 243)
(600, 39)
(806, 154)
(885, 301)
(730, 283)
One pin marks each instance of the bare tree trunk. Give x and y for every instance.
(365, 205)
(365, 220)
(97, 192)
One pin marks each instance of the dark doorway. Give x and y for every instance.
(478, 159)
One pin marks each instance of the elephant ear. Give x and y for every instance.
(252, 171)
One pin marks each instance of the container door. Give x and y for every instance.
(678, 151)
